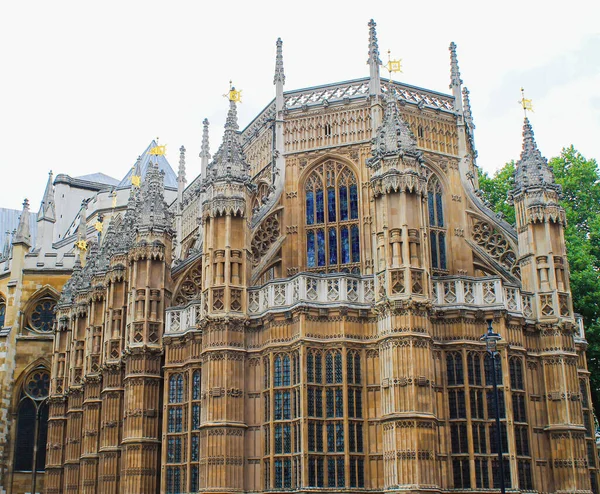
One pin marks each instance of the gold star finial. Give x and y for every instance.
(525, 103)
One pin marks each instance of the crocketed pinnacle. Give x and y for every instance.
(455, 79)
(72, 284)
(91, 261)
(229, 161)
(532, 169)
(205, 148)
(279, 74)
(181, 173)
(467, 108)
(107, 249)
(394, 135)
(152, 209)
(47, 208)
(23, 235)
(373, 45)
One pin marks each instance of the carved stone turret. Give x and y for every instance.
(545, 279)
(399, 185)
(226, 267)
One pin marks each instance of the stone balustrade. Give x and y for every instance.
(331, 290)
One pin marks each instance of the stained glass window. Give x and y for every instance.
(286, 371)
(195, 448)
(195, 416)
(195, 481)
(318, 368)
(329, 368)
(338, 367)
(2, 313)
(353, 202)
(310, 249)
(173, 480)
(42, 317)
(333, 257)
(196, 385)
(277, 371)
(345, 245)
(37, 384)
(331, 204)
(516, 373)
(310, 370)
(176, 388)
(328, 242)
(321, 247)
(437, 234)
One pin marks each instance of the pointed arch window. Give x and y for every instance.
(437, 224)
(32, 423)
(331, 222)
(2, 312)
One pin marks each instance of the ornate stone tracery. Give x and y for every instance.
(267, 234)
(496, 245)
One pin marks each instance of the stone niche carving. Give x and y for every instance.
(496, 245)
(268, 233)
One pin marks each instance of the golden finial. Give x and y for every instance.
(393, 65)
(233, 94)
(81, 245)
(525, 103)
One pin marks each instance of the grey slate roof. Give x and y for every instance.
(100, 178)
(163, 165)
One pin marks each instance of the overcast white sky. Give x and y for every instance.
(85, 86)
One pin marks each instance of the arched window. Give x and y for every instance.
(516, 373)
(176, 388)
(41, 317)
(2, 312)
(437, 225)
(332, 231)
(32, 423)
(454, 368)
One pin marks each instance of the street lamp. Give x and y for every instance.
(491, 345)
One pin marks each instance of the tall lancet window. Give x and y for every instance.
(437, 224)
(332, 227)
(32, 423)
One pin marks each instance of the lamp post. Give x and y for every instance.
(491, 345)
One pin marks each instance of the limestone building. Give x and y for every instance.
(304, 316)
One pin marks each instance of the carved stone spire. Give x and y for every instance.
(467, 108)
(47, 208)
(6, 247)
(532, 170)
(181, 174)
(229, 161)
(153, 211)
(107, 248)
(374, 61)
(455, 80)
(279, 74)
(204, 149)
(394, 135)
(23, 235)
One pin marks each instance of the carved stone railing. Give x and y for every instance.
(321, 290)
(488, 292)
(341, 289)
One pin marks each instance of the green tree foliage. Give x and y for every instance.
(580, 180)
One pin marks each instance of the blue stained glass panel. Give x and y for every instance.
(434, 250)
(355, 244)
(333, 246)
(320, 207)
(431, 208)
(331, 204)
(343, 203)
(440, 211)
(353, 202)
(310, 207)
(310, 249)
(330, 437)
(321, 247)
(442, 250)
(345, 245)
(2, 314)
(196, 386)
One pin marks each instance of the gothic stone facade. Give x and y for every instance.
(306, 315)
